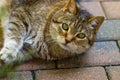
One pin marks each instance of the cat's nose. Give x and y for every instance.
(69, 39)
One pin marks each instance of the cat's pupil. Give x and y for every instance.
(65, 26)
(81, 35)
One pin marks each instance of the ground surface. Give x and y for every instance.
(102, 62)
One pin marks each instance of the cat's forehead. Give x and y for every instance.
(79, 25)
(78, 22)
(74, 20)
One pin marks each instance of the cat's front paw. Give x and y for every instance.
(2, 58)
(6, 56)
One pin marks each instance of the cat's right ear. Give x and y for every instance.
(96, 22)
(71, 6)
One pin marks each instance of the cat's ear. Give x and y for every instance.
(96, 22)
(71, 6)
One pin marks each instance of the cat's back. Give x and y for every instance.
(32, 3)
(35, 10)
(28, 9)
(32, 12)
(33, 7)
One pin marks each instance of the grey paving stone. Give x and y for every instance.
(37, 64)
(93, 7)
(93, 73)
(111, 9)
(102, 53)
(110, 30)
(25, 75)
(3, 78)
(114, 72)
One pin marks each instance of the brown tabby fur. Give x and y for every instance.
(34, 29)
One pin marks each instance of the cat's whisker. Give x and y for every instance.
(51, 41)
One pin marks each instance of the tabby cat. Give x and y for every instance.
(47, 29)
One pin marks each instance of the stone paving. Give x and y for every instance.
(101, 62)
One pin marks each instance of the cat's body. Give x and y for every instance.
(48, 29)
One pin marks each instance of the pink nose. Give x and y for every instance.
(69, 40)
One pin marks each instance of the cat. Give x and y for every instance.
(47, 29)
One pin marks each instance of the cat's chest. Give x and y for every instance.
(56, 52)
(37, 23)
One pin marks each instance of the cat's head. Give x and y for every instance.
(72, 31)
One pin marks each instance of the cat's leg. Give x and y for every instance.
(39, 44)
(25, 53)
(13, 42)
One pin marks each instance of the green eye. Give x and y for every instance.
(65, 26)
(81, 35)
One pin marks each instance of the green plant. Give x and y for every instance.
(3, 11)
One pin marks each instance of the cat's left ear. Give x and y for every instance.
(71, 6)
(96, 22)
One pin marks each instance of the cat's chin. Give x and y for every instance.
(68, 48)
(64, 46)
(73, 48)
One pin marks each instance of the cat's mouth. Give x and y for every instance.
(65, 46)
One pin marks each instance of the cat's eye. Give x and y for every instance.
(65, 26)
(81, 35)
